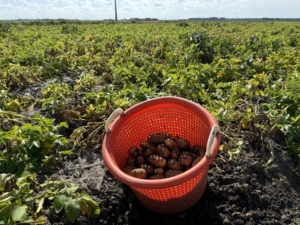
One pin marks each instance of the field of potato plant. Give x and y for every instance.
(60, 80)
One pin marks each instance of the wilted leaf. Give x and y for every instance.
(13, 105)
(89, 207)
(78, 133)
(223, 148)
(41, 202)
(36, 221)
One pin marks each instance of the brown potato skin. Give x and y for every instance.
(140, 160)
(146, 152)
(147, 145)
(198, 159)
(157, 161)
(157, 176)
(185, 159)
(136, 172)
(193, 154)
(161, 156)
(159, 171)
(182, 143)
(198, 150)
(172, 173)
(133, 151)
(173, 164)
(175, 153)
(171, 144)
(163, 150)
(149, 169)
(130, 161)
(158, 138)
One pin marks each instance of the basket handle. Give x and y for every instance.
(213, 133)
(112, 117)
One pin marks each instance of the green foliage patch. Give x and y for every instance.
(245, 73)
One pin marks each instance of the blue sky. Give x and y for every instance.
(171, 9)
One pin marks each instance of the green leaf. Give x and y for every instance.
(19, 213)
(67, 152)
(72, 209)
(25, 174)
(62, 141)
(59, 202)
(63, 124)
(5, 211)
(85, 195)
(30, 144)
(71, 190)
(5, 197)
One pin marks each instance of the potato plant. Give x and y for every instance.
(245, 73)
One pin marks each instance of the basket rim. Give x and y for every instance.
(167, 182)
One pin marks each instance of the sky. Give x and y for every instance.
(161, 9)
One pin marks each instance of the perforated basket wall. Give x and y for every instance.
(176, 116)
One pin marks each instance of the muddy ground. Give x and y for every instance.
(240, 191)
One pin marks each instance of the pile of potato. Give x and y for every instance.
(162, 156)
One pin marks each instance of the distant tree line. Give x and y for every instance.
(76, 21)
(247, 19)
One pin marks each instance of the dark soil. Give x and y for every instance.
(240, 191)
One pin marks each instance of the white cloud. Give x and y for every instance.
(172, 9)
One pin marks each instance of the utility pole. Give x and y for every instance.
(116, 15)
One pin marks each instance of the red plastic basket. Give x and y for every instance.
(176, 116)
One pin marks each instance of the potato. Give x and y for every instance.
(197, 149)
(133, 151)
(130, 161)
(171, 144)
(160, 152)
(172, 173)
(175, 153)
(149, 169)
(159, 171)
(136, 172)
(139, 160)
(182, 143)
(157, 176)
(158, 138)
(157, 160)
(193, 154)
(198, 159)
(163, 150)
(146, 152)
(185, 159)
(173, 164)
(147, 145)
